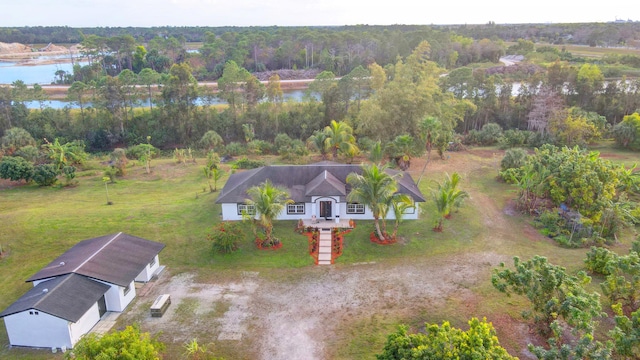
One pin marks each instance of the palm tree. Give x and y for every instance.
(269, 202)
(317, 142)
(374, 188)
(457, 196)
(429, 130)
(339, 138)
(399, 204)
(441, 198)
(401, 149)
(447, 196)
(375, 152)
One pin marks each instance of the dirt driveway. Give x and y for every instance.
(295, 318)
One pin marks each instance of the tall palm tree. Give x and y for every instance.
(269, 202)
(339, 138)
(429, 130)
(373, 188)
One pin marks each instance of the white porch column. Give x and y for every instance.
(337, 212)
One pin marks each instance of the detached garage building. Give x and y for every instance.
(71, 294)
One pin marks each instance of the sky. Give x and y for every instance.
(146, 13)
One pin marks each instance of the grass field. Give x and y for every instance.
(172, 205)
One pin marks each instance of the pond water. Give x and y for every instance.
(31, 74)
(288, 95)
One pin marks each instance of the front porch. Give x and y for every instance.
(321, 223)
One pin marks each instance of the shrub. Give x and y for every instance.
(537, 139)
(550, 223)
(211, 140)
(235, 149)
(111, 173)
(294, 152)
(600, 260)
(260, 147)
(282, 142)
(225, 236)
(119, 161)
(244, 163)
(129, 343)
(490, 134)
(512, 176)
(16, 169)
(29, 153)
(16, 138)
(514, 138)
(140, 151)
(69, 174)
(45, 174)
(472, 138)
(513, 159)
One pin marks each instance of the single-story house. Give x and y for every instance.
(75, 290)
(318, 190)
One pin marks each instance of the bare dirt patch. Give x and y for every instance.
(295, 319)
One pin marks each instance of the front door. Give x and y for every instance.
(102, 306)
(325, 209)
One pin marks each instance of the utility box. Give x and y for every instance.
(161, 305)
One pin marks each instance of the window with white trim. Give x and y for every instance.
(355, 208)
(246, 208)
(410, 210)
(153, 262)
(297, 208)
(126, 289)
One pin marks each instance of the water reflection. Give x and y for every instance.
(288, 95)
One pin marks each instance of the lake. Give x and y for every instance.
(288, 95)
(31, 74)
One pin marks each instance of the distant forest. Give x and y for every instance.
(593, 34)
(384, 81)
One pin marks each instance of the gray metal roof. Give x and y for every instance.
(67, 297)
(299, 179)
(115, 258)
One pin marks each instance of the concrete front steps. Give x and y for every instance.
(324, 247)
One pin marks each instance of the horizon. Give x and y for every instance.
(290, 13)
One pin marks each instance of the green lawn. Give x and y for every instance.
(170, 206)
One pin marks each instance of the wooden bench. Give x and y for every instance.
(160, 305)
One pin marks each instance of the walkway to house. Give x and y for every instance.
(324, 246)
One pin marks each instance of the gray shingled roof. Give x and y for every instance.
(115, 258)
(298, 179)
(67, 297)
(325, 184)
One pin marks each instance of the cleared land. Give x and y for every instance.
(277, 303)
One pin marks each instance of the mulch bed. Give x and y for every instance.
(374, 239)
(259, 244)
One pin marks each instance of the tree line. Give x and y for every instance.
(593, 34)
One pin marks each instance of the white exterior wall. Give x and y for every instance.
(42, 330)
(146, 274)
(115, 298)
(230, 212)
(84, 324)
(306, 215)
